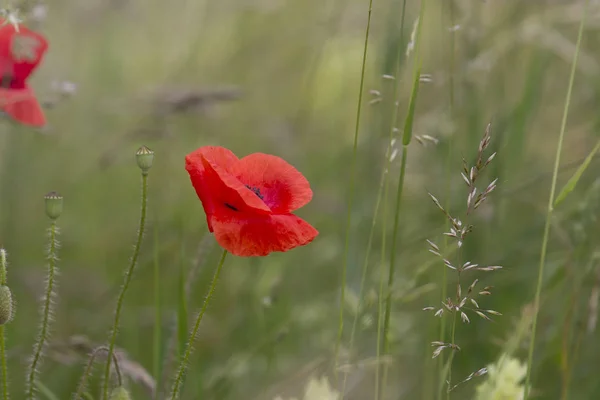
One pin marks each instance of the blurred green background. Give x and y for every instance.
(282, 77)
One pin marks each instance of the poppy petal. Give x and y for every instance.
(20, 52)
(22, 105)
(282, 187)
(215, 154)
(259, 235)
(218, 190)
(236, 193)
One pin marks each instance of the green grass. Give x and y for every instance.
(273, 322)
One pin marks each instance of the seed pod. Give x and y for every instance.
(144, 157)
(54, 205)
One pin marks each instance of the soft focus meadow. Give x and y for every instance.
(284, 78)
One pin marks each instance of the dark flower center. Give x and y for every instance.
(256, 191)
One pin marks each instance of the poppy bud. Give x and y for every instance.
(120, 393)
(144, 157)
(6, 305)
(54, 205)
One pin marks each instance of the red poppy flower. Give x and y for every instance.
(248, 201)
(20, 54)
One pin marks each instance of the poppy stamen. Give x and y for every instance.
(256, 191)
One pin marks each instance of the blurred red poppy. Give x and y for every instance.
(248, 201)
(20, 54)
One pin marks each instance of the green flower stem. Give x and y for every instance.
(451, 63)
(2, 344)
(451, 359)
(381, 296)
(386, 186)
(192, 338)
(46, 312)
(132, 264)
(351, 195)
(4, 367)
(406, 139)
(550, 209)
(3, 265)
(392, 269)
(156, 353)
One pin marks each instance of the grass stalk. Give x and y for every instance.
(3, 265)
(351, 194)
(406, 139)
(451, 358)
(365, 268)
(392, 130)
(550, 208)
(156, 343)
(451, 62)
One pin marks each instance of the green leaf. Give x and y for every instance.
(570, 185)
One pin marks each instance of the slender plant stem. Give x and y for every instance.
(365, 268)
(3, 265)
(392, 269)
(128, 276)
(185, 293)
(406, 139)
(351, 195)
(4, 367)
(452, 54)
(156, 353)
(550, 209)
(192, 338)
(393, 122)
(451, 356)
(381, 295)
(46, 312)
(451, 63)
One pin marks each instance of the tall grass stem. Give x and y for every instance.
(550, 208)
(351, 194)
(406, 139)
(448, 180)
